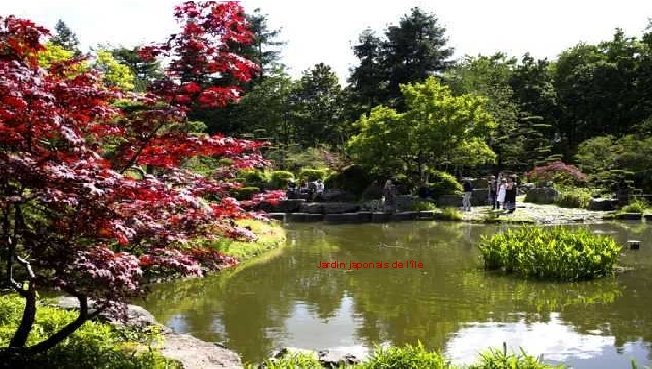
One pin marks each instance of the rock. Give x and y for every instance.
(283, 206)
(406, 202)
(380, 217)
(285, 351)
(480, 197)
(136, 315)
(426, 215)
(304, 217)
(364, 216)
(342, 218)
(405, 215)
(601, 204)
(194, 353)
(329, 207)
(312, 208)
(544, 195)
(446, 201)
(337, 357)
(647, 217)
(338, 195)
(629, 216)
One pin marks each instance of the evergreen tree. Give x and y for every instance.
(65, 38)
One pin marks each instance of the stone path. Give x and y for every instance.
(535, 213)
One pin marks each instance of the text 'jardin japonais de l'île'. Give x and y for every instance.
(356, 265)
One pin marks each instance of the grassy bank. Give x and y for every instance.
(270, 236)
(95, 345)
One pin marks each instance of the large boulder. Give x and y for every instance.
(447, 201)
(337, 195)
(602, 204)
(480, 197)
(546, 195)
(406, 202)
(283, 206)
(329, 207)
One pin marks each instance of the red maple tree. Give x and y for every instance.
(93, 195)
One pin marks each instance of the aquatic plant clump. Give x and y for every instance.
(555, 253)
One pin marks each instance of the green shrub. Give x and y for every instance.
(291, 361)
(255, 178)
(312, 174)
(500, 359)
(246, 193)
(449, 214)
(572, 197)
(94, 345)
(280, 179)
(352, 178)
(406, 357)
(556, 253)
(423, 206)
(442, 183)
(635, 206)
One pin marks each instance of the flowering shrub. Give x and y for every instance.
(558, 173)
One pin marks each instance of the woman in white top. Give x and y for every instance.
(502, 191)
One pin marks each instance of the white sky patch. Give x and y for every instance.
(323, 31)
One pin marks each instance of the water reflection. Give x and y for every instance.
(450, 303)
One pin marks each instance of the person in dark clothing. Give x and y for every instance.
(510, 195)
(468, 191)
(492, 192)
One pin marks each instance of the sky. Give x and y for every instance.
(324, 31)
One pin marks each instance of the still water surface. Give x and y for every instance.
(451, 304)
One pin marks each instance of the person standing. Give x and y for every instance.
(468, 191)
(492, 192)
(502, 188)
(389, 193)
(510, 195)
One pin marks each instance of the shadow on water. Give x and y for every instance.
(449, 304)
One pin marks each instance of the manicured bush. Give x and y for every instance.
(555, 253)
(406, 357)
(94, 346)
(558, 173)
(442, 183)
(573, 197)
(255, 178)
(635, 206)
(423, 206)
(312, 174)
(246, 193)
(353, 179)
(280, 179)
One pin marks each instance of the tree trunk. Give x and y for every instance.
(27, 321)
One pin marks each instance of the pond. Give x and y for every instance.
(441, 296)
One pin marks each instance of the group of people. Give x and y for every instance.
(502, 192)
(311, 191)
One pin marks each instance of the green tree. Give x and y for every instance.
(367, 82)
(145, 72)
(412, 51)
(316, 108)
(114, 73)
(598, 90)
(65, 38)
(437, 128)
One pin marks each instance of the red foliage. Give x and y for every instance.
(557, 172)
(76, 199)
(202, 50)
